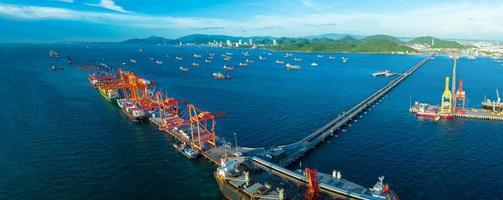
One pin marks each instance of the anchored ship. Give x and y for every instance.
(134, 112)
(220, 76)
(493, 105)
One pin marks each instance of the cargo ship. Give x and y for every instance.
(383, 73)
(423, 110)
(54, 54)
(228, 68)
(186, 150)
(294, 67)
(493, 105)
(220, 76)
(96, 78)
(109, 94)
(130, 109)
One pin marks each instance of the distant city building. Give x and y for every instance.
(229, 43)
(240, 42)
(250, 42)
(274, 42)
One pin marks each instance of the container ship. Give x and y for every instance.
(130, 109)
(383, 73)
(221, 76)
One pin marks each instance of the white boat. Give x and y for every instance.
(197, 55)
(344, 59)
(158, 62)
(207, 61)
(179, 58)
(227, 58)
(184, 69)
(319, 56)
(297, 59)
(243, 64)
(195, 64)
(314, 64)
(220, 76)
(331, 57)
(261, 58)
(294, 67)
(132, 60)
(228, 68)
(280, 62)
(249, 61)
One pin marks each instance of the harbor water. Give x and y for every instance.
(61, 140)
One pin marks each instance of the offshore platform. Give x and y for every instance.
(453, 104)
(242, 172)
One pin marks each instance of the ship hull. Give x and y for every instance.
(111, 100)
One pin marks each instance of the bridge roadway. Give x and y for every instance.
(296, 150)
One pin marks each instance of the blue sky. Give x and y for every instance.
(115, 20)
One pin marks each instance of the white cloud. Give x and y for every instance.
(460, 20)
(64, 1)
(109, 4)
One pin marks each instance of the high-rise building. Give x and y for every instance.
(274, 42)
(250, 42)
(240, 42)
(229, 43)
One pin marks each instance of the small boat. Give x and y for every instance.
(54, 54)
(124, 63)
(227, 58)
(331, 57)
(186, 150)
(245, 53)
(249, 61)
(57, 68)
(243, 64)
(269, 54)
(319, 56)
(151, 58)
(167, 56)
(158, 62)
(297, 59)
(132, 60)
(178, 58)
(184, 69)
(220, 76)
(195, 64)
(280, 62)
(211, 54)
(228, 53)
(294, 67)
(210, 57)
(261, 58)
(197, 55)
(140, 50)
(314, 64)
(344, 59)
(228, 68)
(134, 112)
(69, 60)
(207, 61)
(288, 55)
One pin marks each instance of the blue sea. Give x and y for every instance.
(60, 139)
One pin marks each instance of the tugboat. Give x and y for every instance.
(228, 68)
(184, 69)
(294, 67)
(243, 64)
(220, 76)
(186, 150)
(135, 113)
(54, 54)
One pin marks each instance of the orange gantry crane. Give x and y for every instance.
(313, 187)
(460, 99)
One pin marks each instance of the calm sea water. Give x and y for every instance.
(61, 140)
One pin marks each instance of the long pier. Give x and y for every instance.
(298, 149)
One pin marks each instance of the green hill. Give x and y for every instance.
(437, 43)
(371, 44)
